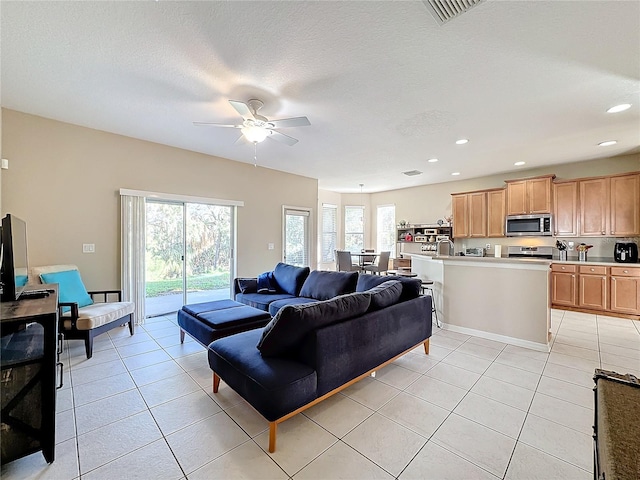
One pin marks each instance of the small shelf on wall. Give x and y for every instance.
(424, 232)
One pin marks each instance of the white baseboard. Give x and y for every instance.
(541, 347)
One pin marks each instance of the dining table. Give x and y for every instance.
(361, 258)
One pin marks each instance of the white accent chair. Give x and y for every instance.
(381, 266)
(85, 323)
(344, 263)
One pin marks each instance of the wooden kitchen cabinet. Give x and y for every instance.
(592, 287)
(496, 212)
(594, 206)
(625, 290)
(532, 195)
(563, 285)
(610, 206)
(477, 214)
(460, 211)
(565, 209)
(624, 208)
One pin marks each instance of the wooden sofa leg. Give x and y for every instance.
(426, 346)
(216, 382)
(273, 427)
(181, 336)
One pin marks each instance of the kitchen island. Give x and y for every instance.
(502, 299)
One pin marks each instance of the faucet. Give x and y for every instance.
(449, 243)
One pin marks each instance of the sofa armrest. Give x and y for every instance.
(73, 314)
(236, 284)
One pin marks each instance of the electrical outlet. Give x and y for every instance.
(488, 246)
(570, 245)
(270, 246)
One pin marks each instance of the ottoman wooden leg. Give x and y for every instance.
(273, 427)
(426, 347)
(181, 336)
(216, 382)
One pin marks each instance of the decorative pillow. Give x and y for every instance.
(248, 285)
(293, 322)
(290, 278)
(385, 294)
(325, 285)
(265, 283)
(70, 288)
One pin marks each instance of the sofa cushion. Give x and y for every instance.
(323, 285)
(266, 283)
(293, 322)
(70, 288)
(410, 286)
(290, 278)
(261, 300)
(385, 294)
(278, 304)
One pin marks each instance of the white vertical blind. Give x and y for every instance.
(329, 241)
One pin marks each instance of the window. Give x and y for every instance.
(354, 228)
(296, 236)
(386, 229)
(329, 241)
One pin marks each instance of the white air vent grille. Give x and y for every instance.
(412, 173)
(445, 10)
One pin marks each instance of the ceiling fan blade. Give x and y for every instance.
(243, 109)
(241, 140)
(290, 122)
(281, 137)
(211, 124)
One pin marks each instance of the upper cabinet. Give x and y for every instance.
(532, 195)
(565, 209)
(610, 206)
(478, 214)
(496, 210)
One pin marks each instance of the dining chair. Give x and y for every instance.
(381, 266)
(343, 261)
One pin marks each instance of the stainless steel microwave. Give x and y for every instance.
(529, 225)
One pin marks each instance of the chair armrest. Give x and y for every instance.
(106, 293)
(73, 316)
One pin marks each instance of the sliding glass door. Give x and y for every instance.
(189, 256)
(296, 237)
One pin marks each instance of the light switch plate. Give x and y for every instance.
(88, 248)
(270, 246)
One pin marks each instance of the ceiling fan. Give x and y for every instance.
(255, 128)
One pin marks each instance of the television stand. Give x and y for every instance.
(28, 357)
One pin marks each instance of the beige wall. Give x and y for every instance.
(64, 181)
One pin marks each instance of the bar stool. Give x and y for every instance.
(427, 285)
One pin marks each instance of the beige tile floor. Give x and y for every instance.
(142, 407)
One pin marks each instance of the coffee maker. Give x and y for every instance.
(625, 252)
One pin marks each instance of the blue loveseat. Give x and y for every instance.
(312, 349)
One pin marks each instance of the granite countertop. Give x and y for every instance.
(604, 261)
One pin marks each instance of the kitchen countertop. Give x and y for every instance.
(604, 261)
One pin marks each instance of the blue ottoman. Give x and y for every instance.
(208, 321)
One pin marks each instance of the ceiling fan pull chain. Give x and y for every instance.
(255, 154)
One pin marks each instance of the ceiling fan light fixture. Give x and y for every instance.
(619, 108)
(254, 134)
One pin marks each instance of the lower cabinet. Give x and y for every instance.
(596, 288)
(625, 290)
(592, 289)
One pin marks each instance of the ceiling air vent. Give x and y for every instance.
(445, 10)
(412, 173)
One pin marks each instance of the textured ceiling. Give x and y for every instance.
(384, 86)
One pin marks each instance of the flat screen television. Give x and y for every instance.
(15, 268)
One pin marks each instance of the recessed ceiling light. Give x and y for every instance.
(455, 173)
(432, 160)
(517, 164)
(462, 141)
(619, 108)
(608, 143)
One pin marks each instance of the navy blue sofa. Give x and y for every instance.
(310, 351)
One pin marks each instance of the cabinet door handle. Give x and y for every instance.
(626, 271)
(60, 343)
(593, 269)
(603, 232)
(61, 376)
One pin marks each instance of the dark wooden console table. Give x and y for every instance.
(29, 353)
